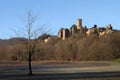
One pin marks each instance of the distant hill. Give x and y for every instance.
(11, 41)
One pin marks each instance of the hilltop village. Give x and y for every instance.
(65, 33)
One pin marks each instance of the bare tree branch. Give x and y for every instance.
(31, 31)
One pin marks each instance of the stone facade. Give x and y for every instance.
(79, 24)
(100, 30)
(65, 33)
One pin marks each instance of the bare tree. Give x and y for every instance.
(30, 31)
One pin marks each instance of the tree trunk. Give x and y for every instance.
(30, 68)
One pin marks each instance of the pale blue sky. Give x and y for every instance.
(59, 13)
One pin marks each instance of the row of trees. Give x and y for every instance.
(76, 48)
(86, 48)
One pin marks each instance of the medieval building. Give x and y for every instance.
(65, 33)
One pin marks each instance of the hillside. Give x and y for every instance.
(78, 47)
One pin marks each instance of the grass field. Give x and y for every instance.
(51, 70)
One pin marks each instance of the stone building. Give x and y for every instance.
(93, 30)
(64, 33)
(100, 30)
(107, 30)
(75, 29)
(79, 24)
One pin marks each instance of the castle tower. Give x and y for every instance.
(64, 34)
(79, 24)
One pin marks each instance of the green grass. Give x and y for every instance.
(117, 60)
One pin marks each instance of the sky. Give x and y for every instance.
(57, 14)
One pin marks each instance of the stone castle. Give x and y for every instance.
(65, 33)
